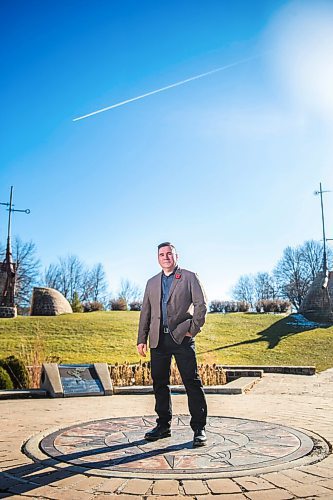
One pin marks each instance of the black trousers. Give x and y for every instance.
(187, 365)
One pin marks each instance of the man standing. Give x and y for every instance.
(173, 312)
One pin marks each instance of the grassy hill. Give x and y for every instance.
(235, 338)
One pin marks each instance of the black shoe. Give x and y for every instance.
(159, 432)
(200, 438)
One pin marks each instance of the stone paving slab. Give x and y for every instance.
(192, 487)
(295, 401)
(236, 496)
(167, 487)
(137, 486)
(223, 486)
(269, 495)
(111, 485)
(251, 483)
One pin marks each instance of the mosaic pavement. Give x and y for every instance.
(116, 447)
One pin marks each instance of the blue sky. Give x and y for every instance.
(224, 166)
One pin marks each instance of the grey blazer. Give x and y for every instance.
(186, 308)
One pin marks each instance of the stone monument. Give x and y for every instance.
(8, 270)
(49, 302)
(317, 304)
(76, 380)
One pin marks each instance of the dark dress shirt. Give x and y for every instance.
(166, 285)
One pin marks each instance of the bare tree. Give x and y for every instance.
(298, 268)
(99, 283)
(95, 284)
(265, 286)
(52, 277)
(73, 270)
(244, 290)
(27, 269)
(312, 257)
(70, 275)
(291, 276)
(66, 276)
(129, 291)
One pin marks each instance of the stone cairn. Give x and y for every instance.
(140, 374)
(317, 305)
(49, 302)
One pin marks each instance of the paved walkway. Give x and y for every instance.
(301, 403)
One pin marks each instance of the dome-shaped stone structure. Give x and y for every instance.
(317, 305)
(49, 302)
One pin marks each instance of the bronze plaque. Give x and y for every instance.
(80, 380)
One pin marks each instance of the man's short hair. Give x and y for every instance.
(166, 244)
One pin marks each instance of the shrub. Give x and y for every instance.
(216, 306)
(17, 371)
(5, 380)
(140, 374)
(77, 307)
(258, 306)
(230, 307)
(135, 306)
(34, 355)
(93, 306)
(285, 306)
(119, 304)
(243, 306)
(226, 306)
(272, 306)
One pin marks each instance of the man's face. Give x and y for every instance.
(167, 258)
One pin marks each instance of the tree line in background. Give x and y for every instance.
(289, 281)
(86, 288)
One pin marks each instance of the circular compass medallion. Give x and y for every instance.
(117, 445)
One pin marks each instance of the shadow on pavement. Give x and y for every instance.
(39, 474)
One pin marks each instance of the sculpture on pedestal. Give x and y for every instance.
(317, 305)
(8, 269)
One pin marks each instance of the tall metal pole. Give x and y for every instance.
(324, 235)
(325, 267)
(10, 209)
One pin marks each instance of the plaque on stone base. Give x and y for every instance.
(76, 380)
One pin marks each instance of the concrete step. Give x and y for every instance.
(239, 386)
(22, 393)
(288, 370)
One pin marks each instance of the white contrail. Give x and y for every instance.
(222, 68)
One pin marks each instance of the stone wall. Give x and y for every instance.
(8, 312)
(317, 305)
(49, 302)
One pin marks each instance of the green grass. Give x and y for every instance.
(227, 339)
